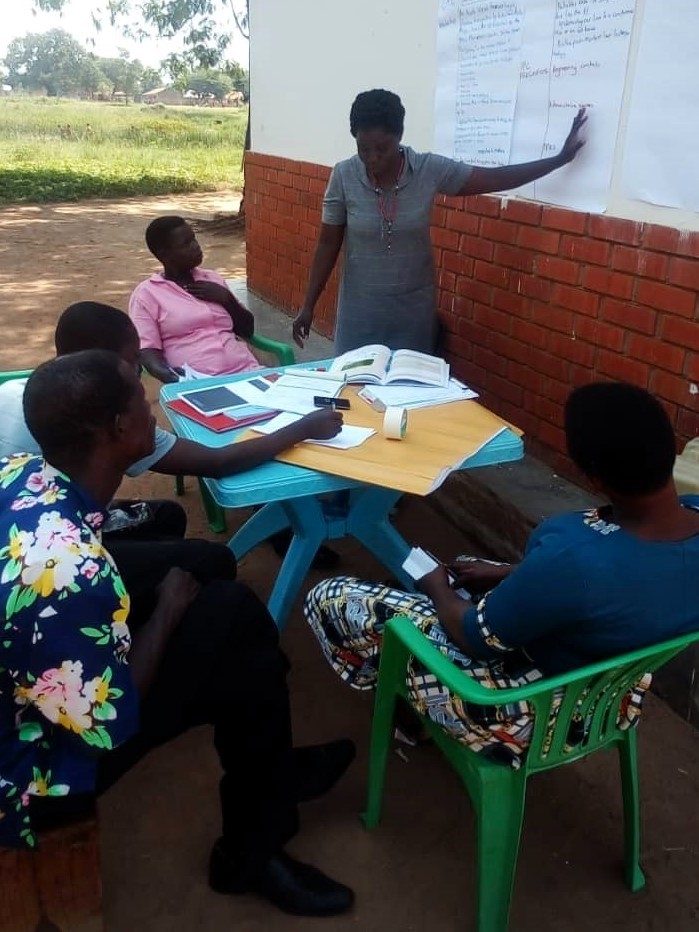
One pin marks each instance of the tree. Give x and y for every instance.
(207, 82)
(150, 79)
(50, 62)
(92, 79)
(124, 74)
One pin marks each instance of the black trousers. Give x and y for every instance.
(223, 666)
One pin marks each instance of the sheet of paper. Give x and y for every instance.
(347, 438)
(403, 396)
(660, 158)
(569, 54)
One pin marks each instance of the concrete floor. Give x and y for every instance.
(415, 872)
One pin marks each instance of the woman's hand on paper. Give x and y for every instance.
(320, 425)
(573, 144)
(477, 575)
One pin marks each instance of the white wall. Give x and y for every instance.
(310, 58)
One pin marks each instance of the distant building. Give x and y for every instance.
(164, 95)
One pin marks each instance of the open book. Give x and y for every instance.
(377, 365)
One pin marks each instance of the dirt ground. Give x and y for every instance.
(415, 872)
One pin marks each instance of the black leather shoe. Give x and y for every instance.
(319, 767)
(288, 884)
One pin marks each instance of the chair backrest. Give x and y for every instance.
(582, 716)
(15, 374)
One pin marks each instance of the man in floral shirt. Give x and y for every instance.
(74, 713)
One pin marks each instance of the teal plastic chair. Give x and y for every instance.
(497, 791)
(215, 515)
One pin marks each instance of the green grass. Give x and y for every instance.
(114, 150)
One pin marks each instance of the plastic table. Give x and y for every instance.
(295, 497)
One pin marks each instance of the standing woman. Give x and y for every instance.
(380, 201)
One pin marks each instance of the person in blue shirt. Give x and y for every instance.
(83, 697)
(591, 585)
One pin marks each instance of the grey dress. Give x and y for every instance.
(387, 295)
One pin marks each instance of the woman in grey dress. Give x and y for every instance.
(379, 203)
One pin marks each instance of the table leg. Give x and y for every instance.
(266, 521)
(368, 522)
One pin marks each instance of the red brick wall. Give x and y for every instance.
(534, 299)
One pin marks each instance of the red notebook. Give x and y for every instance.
(218, 422)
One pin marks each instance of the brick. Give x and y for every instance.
(584, 249)
(551, 317)
(550, 365)
(530, 333)
(514, 257)
(684, 333)
(552, 436)
(519, 211)
(490, 361)
(687, 423)
(615, 229)
(629, 315)
(317, 186)
(639, 262)
(492, 319)
(472, 332)
(599, 334)
(477, 291)
(493, 274)
(583, 302)
(568, 221)
(557, 391)
(457, 347)
(608, 282)
(539, 240)
(483, 204)
(445, 280)
(439, 217)
(503, 388)
(447, 239)
(666, 298)
(463, 221)
(577, 351)
(688, 243)
(531, 287)
(560, 270)
(620, 367)
(672, 388)
(476, 247)
(691, 369)
(547, 410)
(457, 263)
(663, 239)
(500, 231)
(684, 273)
(509, 301)
(655, 352)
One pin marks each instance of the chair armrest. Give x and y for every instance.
(461, 684)
(15, 374)
(283, 351)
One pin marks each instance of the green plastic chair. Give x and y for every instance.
(15, 374)
(498, 791)
(215, 515)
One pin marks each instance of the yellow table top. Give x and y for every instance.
(437, 441)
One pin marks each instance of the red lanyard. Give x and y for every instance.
(387, 205)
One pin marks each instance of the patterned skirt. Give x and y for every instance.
(348, 617)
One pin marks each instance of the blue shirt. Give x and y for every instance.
(66, 693)
(587, 590)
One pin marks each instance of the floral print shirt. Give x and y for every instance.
(66, 693)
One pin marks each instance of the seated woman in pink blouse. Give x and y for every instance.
(185, 314)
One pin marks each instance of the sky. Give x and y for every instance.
(77, 21)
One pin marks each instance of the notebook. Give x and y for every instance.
(222, 422)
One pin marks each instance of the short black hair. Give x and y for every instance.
(159, 231)
(377, 109)
(621, 435)
(69, 399)
(91, 325)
